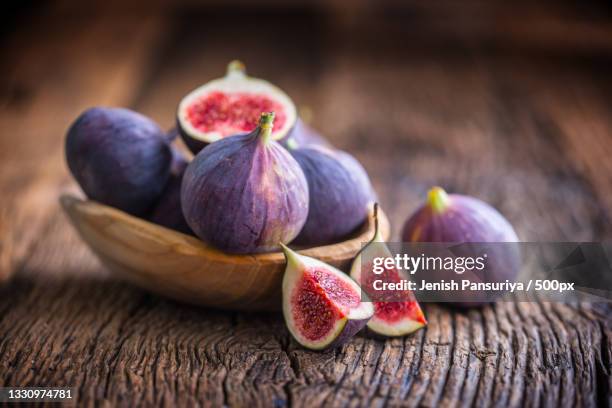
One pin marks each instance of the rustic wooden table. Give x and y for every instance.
(518, 113)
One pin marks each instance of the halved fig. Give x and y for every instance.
(232, 105)
(396, 313)
(322, 305)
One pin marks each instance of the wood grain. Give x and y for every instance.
(523, 124)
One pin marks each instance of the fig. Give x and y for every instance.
(359, 174)
(119, 157)
(179, 162)
(168, 211)
(231, 105)
(172, 134)
(303, 135)
(396, 313)
(322, 306)
(455, 218)
(338, 201)
(245, 193)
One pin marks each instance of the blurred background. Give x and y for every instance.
(507, 101)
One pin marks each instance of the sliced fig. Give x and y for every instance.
(231, 105)
(338, 200)
(322, 305)
(396, 313)
(245, 193)
(119, 157)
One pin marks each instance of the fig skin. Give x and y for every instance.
(303, 135)
(359, 174)
(339, 200)
(179, 162)
(245, 193)
(193, 144)
(168, 211)
(119, 157)
(351, 328)
(172, 134)
(456, 218)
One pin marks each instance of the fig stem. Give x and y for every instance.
(437, 199)
(292, 144)
(236, 67)
(266, 123)
(376, 231)
(290, 255)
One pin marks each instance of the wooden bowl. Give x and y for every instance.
(186, 269)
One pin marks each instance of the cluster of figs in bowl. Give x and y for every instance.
(212, 223)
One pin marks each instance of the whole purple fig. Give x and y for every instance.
(168, 211)
(119, 158)
(245, 193)
(459, 219)
(338, 200)
(303, 135)
(179, 162)
(358, 173)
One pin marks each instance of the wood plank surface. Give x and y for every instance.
(525, 128)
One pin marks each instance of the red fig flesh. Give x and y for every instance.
(232, 105)
(245, 193)
(322, 305)
(396, 313)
